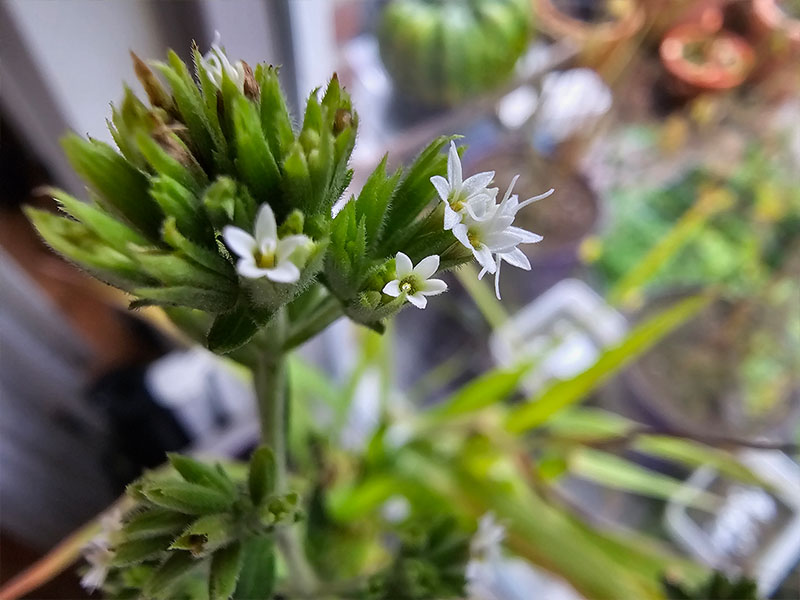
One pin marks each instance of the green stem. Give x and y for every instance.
(272, 392)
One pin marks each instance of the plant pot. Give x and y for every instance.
(599, 40)
(701, 60)
(695, 379)
(776, 26)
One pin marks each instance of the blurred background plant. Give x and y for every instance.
(626, 416)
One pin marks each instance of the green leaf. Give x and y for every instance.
(225, 567)
(154, 522)
(173, 270)
(201, 255)
(113, 232)
(220, 202)
(257, 574)
(207, 534)
(696, 454)
(565, 393)
(254, 160)
(416, 191)
(190, 175)
(190, 104)
(231, 330)
(297, 179)
(483, 391)
(261, 480)
(213, 301)
(122, 188)
(615, 472)
(275, 120)
(373, 202)
(210, 476)
(189, 498)
(171, 572)
(179, 202)
(133, 552)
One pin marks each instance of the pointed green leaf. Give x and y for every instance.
(254, 161)
(122, 188)
(199, 254)
(231, 330)
(172, 571)
(113, 232)
(189, 498)
(213, 301)
(154, 522)
(133, 552)
(257, 574)
(210, 476)
(275, 120)
(207, 534)
(261, 479)
(225, 567)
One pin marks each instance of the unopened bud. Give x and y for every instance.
(250, 87)
(152, 86)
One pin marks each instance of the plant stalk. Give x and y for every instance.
(272, 392)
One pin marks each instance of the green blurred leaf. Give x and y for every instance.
(485, 390)
(565, 393)
(189, 498)
(213, 301)
(154, 522)
(231, 330)
(615, 472)
(172, 572)
(207, 475)
(257, 574)
(224, 573)
(261, 480)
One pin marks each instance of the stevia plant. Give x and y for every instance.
(218, 208)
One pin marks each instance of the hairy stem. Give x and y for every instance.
(272, 392)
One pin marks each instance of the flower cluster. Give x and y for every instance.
(479, 222)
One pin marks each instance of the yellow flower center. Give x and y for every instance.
(407, 286)
(265, 261)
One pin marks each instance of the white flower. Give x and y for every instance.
(264, 255)
(215, 62)
(98, 552)
(494, 239)
(470, 197)
(485, 544)
(415, 282)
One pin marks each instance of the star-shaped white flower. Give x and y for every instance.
(470, 197)
(215, 62)
(264, 254)
(415, 282)
(494, 239)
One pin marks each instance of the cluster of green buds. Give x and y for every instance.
(195, 525)
(218, 208)
(430, 563)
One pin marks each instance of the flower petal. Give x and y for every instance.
(266, 228)
(392, 288)
(533, 199)
(427, 266)
(418, 300)
(526, 237)
(497, 279)
(477, 182)
(510, 188)
(454, 175)
(484, 256)
(451, 217)
(402, 265)
(239, 241)
(502, 241)
(442, 187)
(285, 272)
(287, 245)
(460, 231)
(432, 287)
(517, 258)
(249, 269)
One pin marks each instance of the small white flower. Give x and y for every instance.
(98, 552)
(264, 254)
(493, 239)
(485, 544)
(215, 62)
(414, 282)
(471, 197)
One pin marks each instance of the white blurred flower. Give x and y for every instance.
(99, 553)
(396, 509)
(470, 197)
(415, 282)
(264, 254)
(215, 62)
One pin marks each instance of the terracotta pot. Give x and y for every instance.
(598, 42)
(723, 61)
